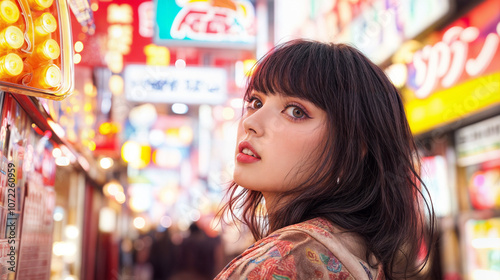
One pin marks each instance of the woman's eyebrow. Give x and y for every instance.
(302, 101)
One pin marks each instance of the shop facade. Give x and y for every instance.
(452, 101)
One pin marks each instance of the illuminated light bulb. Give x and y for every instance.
(138, 156)
(9, 13)
(105, 128)
(87, 107)
(88, 89)
(58, 217)
(77, 58)
(56, 152)
(11, 65)
(58, 248)
(71, 231)
(130, 151)
(45, 24)
(180, 108)
(120, 197)
(116, 84)
(180, 63)
(47, 50)
(106, 162)
(48, 76)
(40, 4)
(139, 222)
(11, 38)
(166, 221)
(92, 146)
(112, 188)
(78, 46)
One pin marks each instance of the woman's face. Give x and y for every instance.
(278, 142)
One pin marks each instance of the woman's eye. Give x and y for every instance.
(255, 104)
(295, 112)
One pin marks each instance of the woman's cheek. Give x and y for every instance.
(277, 125)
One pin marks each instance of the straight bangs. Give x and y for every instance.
(288, 70)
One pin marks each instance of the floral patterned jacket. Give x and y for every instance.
(313, 249)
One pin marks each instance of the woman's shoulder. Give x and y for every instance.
(293, 252)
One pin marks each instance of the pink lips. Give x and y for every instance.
(244, 158)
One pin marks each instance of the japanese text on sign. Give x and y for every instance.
(191, 85)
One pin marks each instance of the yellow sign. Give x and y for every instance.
(452, 104)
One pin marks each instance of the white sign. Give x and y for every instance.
(478, 142)
(435, 178)
(162, 84)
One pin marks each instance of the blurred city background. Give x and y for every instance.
(120, 173)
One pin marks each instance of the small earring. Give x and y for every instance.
(338, 180)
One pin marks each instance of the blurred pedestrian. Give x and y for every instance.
(198, 256)
(143, 269)
(325, 142)
(163, 255)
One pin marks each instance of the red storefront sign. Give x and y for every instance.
(123, 28)
(470, 47)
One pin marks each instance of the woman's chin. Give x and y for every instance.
(243, 183)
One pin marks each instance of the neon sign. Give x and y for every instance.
(468, 49)
(120, 18)
(202, 22)
(375, 27)
(443, 63)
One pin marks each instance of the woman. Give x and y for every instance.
(325, 142)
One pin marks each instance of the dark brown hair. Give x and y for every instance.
(366, 180)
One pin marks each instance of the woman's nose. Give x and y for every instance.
(253, 122)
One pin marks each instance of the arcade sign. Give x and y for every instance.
(205, 23)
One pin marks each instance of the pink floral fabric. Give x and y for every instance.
(298, 251)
